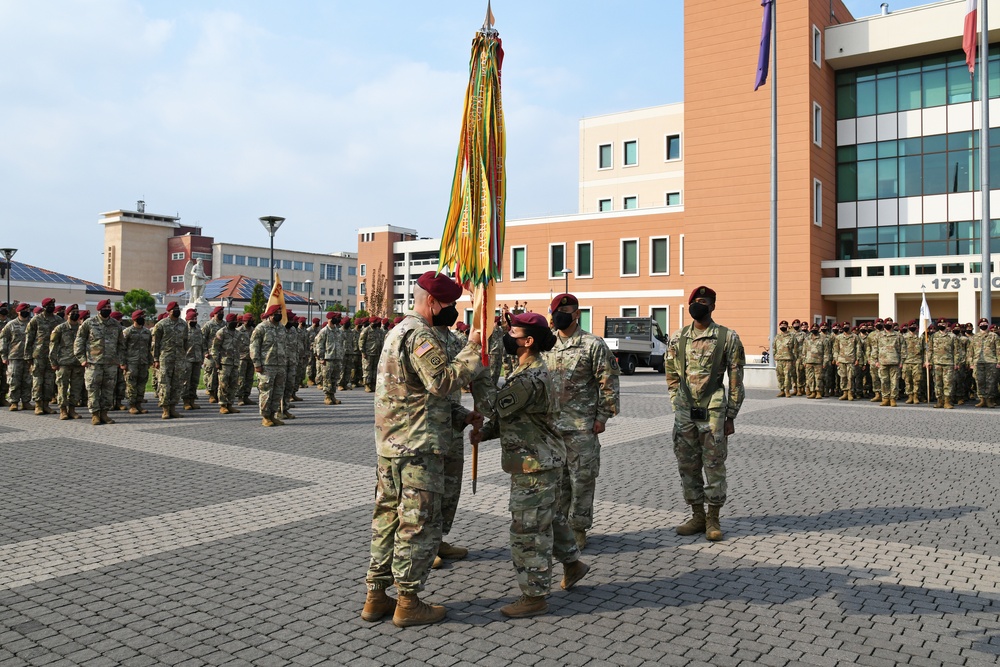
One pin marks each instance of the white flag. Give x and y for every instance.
(925, 315)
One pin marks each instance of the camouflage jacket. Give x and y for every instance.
(138, 345)
(983, 348)
(329, 343)
(12, 340)
(370, 341)
(37, 337)
(267, 344)
(813, 350)
(99, 341)
(170, 339)
(523, 419)
(195, 344)
(413, 408)
(208, 331)
(700, 348)
(800, 342)
(784, 347)
(847, 348)
(871, 348)
(962, 349)
(61, 342)
(351, 342)
(827, 339)
(912, 348)
(227, 346)
(584, 376)
(941, 349)
(306, 338)
(495, 347)
(245, 330)
(292, 345)
(890, 345)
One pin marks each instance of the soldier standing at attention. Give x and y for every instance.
(98, 346)
(119, 396)
(784, 360)
(413, 427)
(846, 352)
(872, 343)
(534, 453)
(912, 350)
(800, 334)
(138, 358)
(195, 355)
(698, 358)
(4, 318)
(890, 345)
(350, 351)
(69, 372)
(17, 357)
(584, 375)
(370, 345)
(311, 371)
(329, 354)
(940, 358)
(246, 366)
(984, 349)
(292, 344)
(208, 331)
(170, 342)
(227, 346)
(267, 350)
(43, 378)
(813, 351)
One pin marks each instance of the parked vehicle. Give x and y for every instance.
(635, 341)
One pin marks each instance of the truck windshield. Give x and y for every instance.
(627, 328)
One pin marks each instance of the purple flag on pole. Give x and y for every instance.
(764, 58)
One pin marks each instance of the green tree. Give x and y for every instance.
(137, 299)
(258, 301)
(361, 313)
(337, 307)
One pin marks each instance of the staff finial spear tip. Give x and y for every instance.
(490, 20)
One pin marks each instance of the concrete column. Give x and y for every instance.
(887, 304)
(968, 304)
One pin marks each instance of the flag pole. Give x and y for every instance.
(986, 294)
(774, 176)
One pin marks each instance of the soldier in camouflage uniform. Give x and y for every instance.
(963, 374)
(370, 344)
(312, 370)
(246, 365)
(350, 352)
(413, 427)
(195, 355)
(912, 355)
(846, 352)
(584, 375)
(267, 350)
(328, 348)
(983, 357)
(4, 318)
(306, 337)
(43, 378)
(208, 330)
(138, 358)
(17, 357)
(227, 348)
(813, 351)
(800, 331)
(872, 349)
(292, 345)
(170, 343)
(940, 358)
(496, 352)
(119, 395)
(703, 410)
(889, 360)
(784, 360)
(533, 451)
(69, 372)
(98, 347)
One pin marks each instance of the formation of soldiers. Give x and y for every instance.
(886, 362)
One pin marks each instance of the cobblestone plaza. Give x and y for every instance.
(854, 535)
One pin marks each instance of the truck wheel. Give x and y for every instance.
(628, 367)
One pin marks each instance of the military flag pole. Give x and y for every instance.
(986, 295)
(473, 238)
(925, 320)
(768, 58)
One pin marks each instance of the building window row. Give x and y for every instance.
(177, 255)
(250, 260)
(177, 278)
(331, 272)
(630, 152)
(928, 239)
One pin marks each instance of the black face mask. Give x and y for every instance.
(106, 313)
(74, 316)
(913, 329)
(50, 309)
(231, 325)
(698, 311)
(784, 329)
(510, 345)
(176, 312)
(445, 317)
(193, 324)
(879, 327)
(796, 328)
(141, 321)
(814, 332)
(276, 318)
(561, 320)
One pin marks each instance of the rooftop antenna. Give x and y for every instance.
(140, 206)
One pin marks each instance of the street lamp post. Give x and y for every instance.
(271, 224)
(229, 305)
(7, 254)
(566, 273)
(309, 301)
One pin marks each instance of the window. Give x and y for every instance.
(630, 257)
(297, 266)
(584, 259)
(603, 205)
(177, 255)
(364, 270)
(364, 289)
(680, 263)
(673, 147)
(286, 264)
(557, 259)
(630, 202)
(177, 279)
(659, 256)
(604, 156)
(673, 199)
(585, 320)
(286, 285)
(241, 260)
(227, 259)
(298, 287)
(630, 311)
(251, 261)
(817, 202)
(339, 292)
(817, 47)
(353, 270)
(518, 263)
(351, 291)
(630, 153)
(308, 266)
(203, 256)
(662, 317)
(817, 124)
(322, 291)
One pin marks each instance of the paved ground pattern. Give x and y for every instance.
(854, 535)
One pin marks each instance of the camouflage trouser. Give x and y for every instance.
(3, 383)
(120, 388)
(135, 382)
(170, 379)
(311, 370)
(406, 524)
(986, 373)
(583, 465)
(211, 377)
(829, 378)
(800, 375)
(19, 381)
(229, 376)
(371, 369)
(346, 371)
(356, 371)
(291, 368)
(270, 389)
(331, 373)
(845, 371)
(454, 465)
(813, 377)
(702, 446)
(496, 367)
(943, 376)
(100, 381)
(43, 381)
(191, 376)
(69, 382)
(888, 375)
(246, 379)
(538, 530)
(913, 375)
(785, 370)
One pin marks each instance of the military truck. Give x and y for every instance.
(635, 341)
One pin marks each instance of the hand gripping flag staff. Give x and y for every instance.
(472, 242)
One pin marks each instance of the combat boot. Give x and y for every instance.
(276, 421)
(233, 411)
(38, 408)
(877, 398)
(981, 403)
(781, 394)
(95, 419)
(105, 418)
(573, 573)
(452, 552)
(892, 402)
(990, 403)
(267, 421)
(117, 407)
(910, 399)
(377, 606)
(224, 410)
(411, 611)
(286, 415)
(843, 397)
(713, 532)
(173, 412)
(13, 407)
(525, 607)
(694, 525)
(187, 404)
(437, 563)
(63, 413)
(328, 401)
(947, 403)
(850, 396)
(212, 398)
(72, 413)
(166, 414)
(885, 402)
(940, 403)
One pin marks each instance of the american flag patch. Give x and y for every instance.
(424, 349)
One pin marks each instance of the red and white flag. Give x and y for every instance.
(969, 34)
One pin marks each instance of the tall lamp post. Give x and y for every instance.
(229, 305)
(7, 254)
(566, 273)
(309, 301)
(271, 224)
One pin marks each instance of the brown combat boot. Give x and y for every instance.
(580, 537)
(95, 419)
(437, 563)
(940, 403)
(843, 397)
(63, 413)
(525, 606)
(173, 412)
(105, 418)
(892, 402)
(328, 401)
(72, 413)
(885, 402)
(276, 421)
(286, 415)
(212, 398)
(38, 408)
(713, 532)
(166, 414)
(377, 606)
(451, 552)
(13, 407)
(411, 611)
(947, 403)
(781, 394)
(267, 421)
(910, 398)
(850, 396)
(573, 573)
(224, 410)
(877, 398)
(981, 403)
(694, 525)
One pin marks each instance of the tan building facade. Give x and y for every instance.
(135, 248)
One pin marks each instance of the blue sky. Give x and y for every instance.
(335, 114)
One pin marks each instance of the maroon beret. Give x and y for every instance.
(60, 309)
(136, 314)
(440, 286)
(563, 300)
(116, 315)
(171, 305)
(315, 320)
(103, 304)
(331, 315)
(21, 307)
(72, 306)
(37, 310)
(346, 322)
(160, 316)
(216, 311)
(701, 291)
(84, 314)
(785, 322)
(272, 310)
(191, 315)
(231, 317)
(385, 320)
(529, 319)
(880, 321)
(983, 319)
(48, 301)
